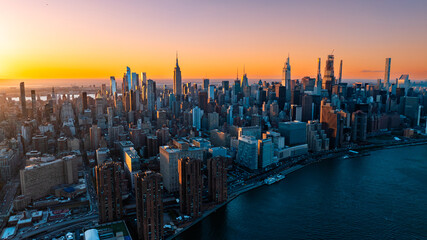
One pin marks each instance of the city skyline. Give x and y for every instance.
(95, 41)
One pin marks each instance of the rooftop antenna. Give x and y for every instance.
(332, 51)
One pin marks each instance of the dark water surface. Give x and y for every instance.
(381, 196)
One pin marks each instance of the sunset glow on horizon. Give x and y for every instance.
(97, 39)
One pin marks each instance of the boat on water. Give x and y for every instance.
(280, 177)
(275, 179)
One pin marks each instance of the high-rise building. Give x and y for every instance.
(151, 94)
(95, 137)
(149, 205)
(265, 152)
(333, 122)
(108, 187)
(40, 143)
(213, 120)
(169, 156)
(33, 104)
(37, 180)
(387, 73)
(318, 85)
(128, 79)
(144, 78)
(177, 81)
(286, 79)
(135, 81)
(281, 96)
(205, 84)
(203, 100)
(225, 85)
(294, 132)
(113, 86)
(340, 75)
(329, 76)
(23, 100)
(211, 93)
(247, 153)
(197, 117)
(84, 100)
(190, 186)
(9, 164)
(317, 139)
(217, 179)
(359, 123)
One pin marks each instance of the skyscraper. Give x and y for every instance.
(128, 79)
(217, 179)
(205, 84)
(84, 100)
(286, 79)
(95, 137)
(135, 81)
(113, 86)
(144, 78)
(108, 187)
(23, 101)
(177, 81)
(197, 117)
(151, 94)
(329, 76)
(33, 104)
(318, 85)
(149, 205)
(340, 76)
(190, 186)
(387, 73)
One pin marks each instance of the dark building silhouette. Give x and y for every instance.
(359, 126)
(217, 179)
(149, 205)
(23, 101)
(190, 186)
(84, 100)
(33, 104)
(108, 187)
(281, 96)
(203, 101)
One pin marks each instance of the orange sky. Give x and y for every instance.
(96, 39)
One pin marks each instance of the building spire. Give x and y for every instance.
(176, 58)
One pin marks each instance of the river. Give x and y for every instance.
(380, 196)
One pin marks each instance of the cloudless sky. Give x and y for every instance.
(42, 39)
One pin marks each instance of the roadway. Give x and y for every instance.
(56, 228)
(7, 195)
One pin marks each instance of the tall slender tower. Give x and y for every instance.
(113, 86)
(387, 73)
(340, 77)
(177, 82)
(329, 76)
(286, 79)
(33, 104)
(128, 79)
(318, 85)
(23, 101)
(149, 205)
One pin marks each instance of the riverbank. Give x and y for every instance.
(340, 153)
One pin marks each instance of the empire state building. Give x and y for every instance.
(177, 81)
